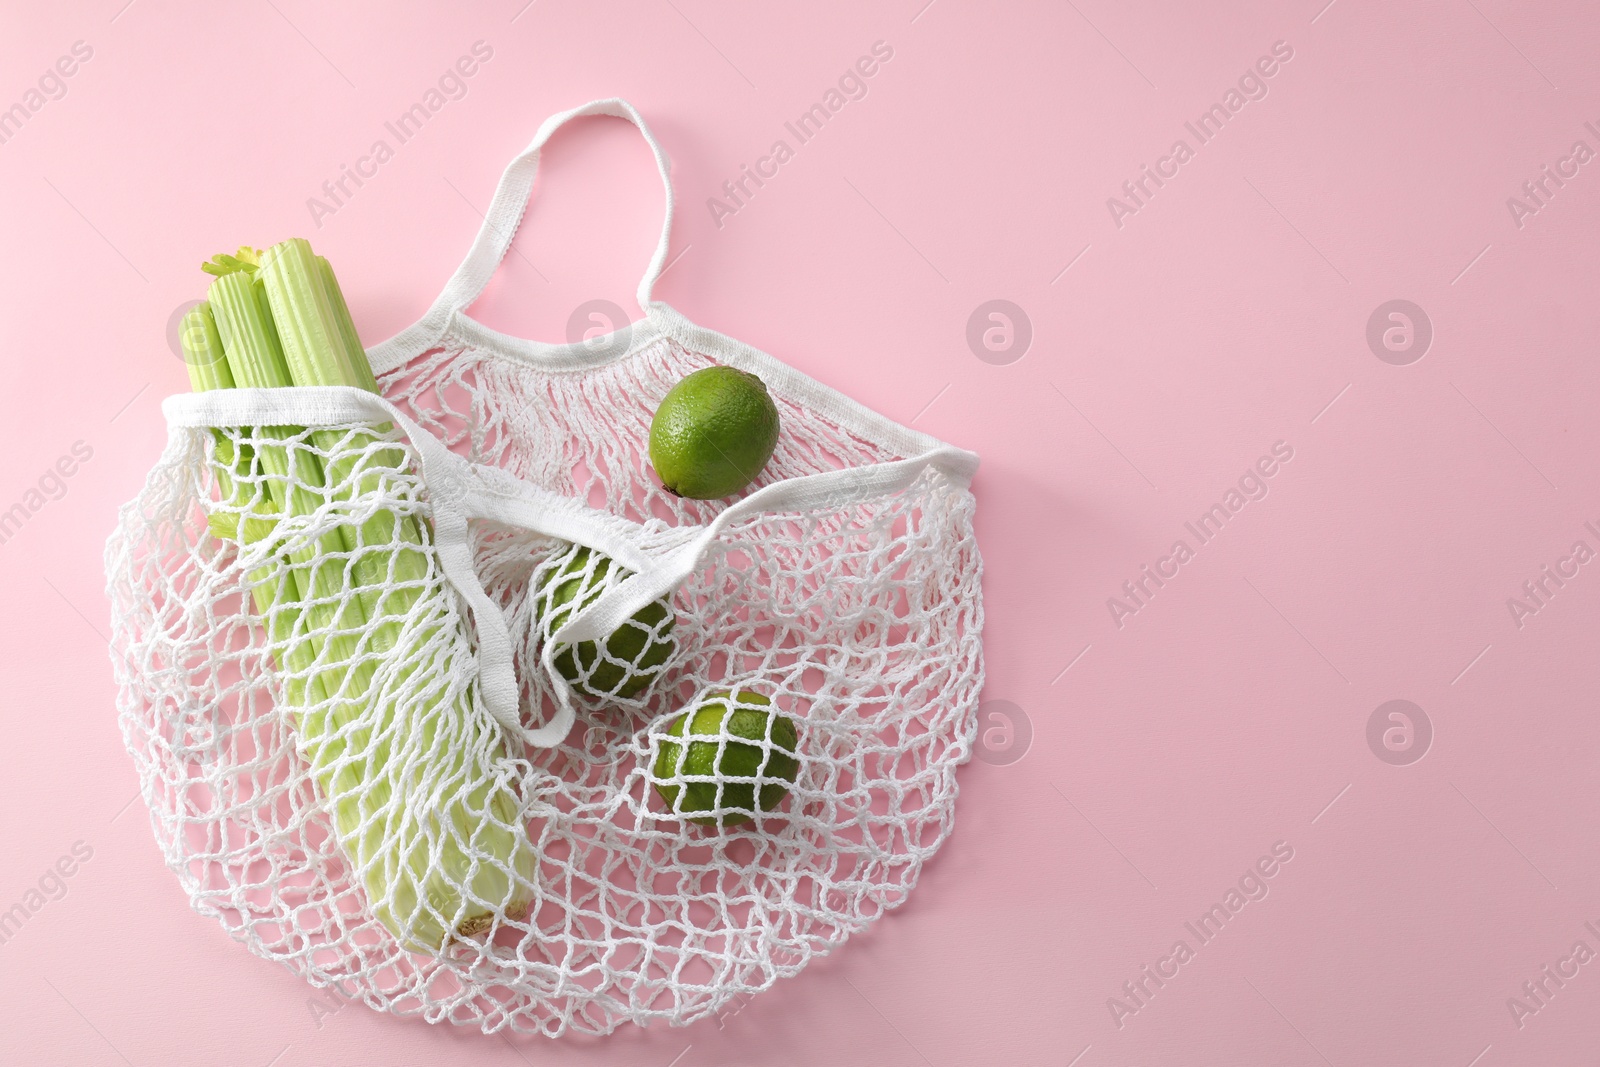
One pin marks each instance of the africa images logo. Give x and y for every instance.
(1538, 191)
(851, 85)
(1252, 85)
(451, 85)
(51, 485)
(1139, 591)
(51, 85)
(52, 885)
(1538, 591)
(1251, 886)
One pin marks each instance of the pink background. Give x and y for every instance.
(1227, 314)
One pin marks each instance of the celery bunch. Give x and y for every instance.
(429, 825)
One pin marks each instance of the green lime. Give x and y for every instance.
(632, 651)
(735, 726)
(713, 433)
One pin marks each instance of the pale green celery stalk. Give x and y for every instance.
(355, 370)
(346, 761)
(293, 474)
(320, 347)
(356, 367)
(202, 354)
(274, 592)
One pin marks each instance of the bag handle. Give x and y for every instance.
(458, 492)
(511, 199)
(664, 573)
(447, 477)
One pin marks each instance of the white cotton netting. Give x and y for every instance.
(299, 690)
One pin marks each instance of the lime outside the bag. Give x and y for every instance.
(713, 433)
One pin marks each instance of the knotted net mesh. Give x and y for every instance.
(299, 691)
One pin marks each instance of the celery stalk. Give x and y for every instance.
(353, 358)
(256, 362)
(321, 348)
(255, 514)
(355, 370)
(202, 355)
(284, 322)
(343, 758)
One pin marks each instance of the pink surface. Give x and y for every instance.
(1142, 762)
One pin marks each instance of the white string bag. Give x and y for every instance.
(843, 586)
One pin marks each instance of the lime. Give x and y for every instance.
(713, 433)
(633, 650)
(724, 769)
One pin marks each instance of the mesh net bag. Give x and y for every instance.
(490, 728)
